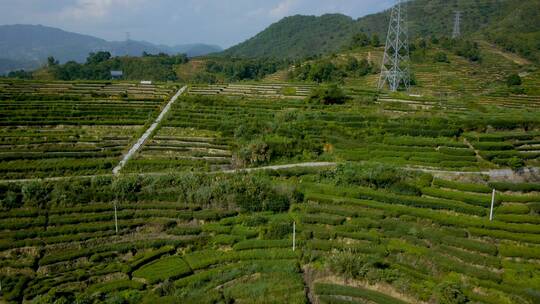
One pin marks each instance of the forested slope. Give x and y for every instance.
(511, 24)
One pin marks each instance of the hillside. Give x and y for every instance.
(511, 24)
(30, 45)
(297, 36)
(371, 225)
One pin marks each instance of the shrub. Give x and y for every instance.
(36, 194)
(474, 199)
(347, 264)
(355, 292)
(166, 268)
(328, 95)
(513, 209)
(109, 287)
(457, 151)
(517, 187)
(225, 239)
(11, 200)
(450, 293)
(260, 244)
(521, 251)
(516, 163)
(277, 229)
(126, 188)
(379, 176)
(323, 219)
(513, 80)
(146, 257)
(473, 258)
(462, 186)
(441, 57)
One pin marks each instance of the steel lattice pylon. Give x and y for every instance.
(395, 69)
(457, 25)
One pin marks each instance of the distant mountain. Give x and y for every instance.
(7, 65)
(511, 24)
(28, 46)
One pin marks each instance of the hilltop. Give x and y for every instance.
(513, 25)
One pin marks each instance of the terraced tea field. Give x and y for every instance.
(62, 129)
(172, 228)
(352, 241)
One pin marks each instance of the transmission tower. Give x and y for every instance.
(457, 25)
(395, 66)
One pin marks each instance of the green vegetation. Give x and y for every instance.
(99, 65)
(400, 213)
(164, 269)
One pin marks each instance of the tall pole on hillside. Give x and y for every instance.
(395, 69)
(492, 205)
(294, 236)
(115, 219)
(457, 25)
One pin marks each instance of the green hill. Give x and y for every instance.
(514, 25)
(298, 36)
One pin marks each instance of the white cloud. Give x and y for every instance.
(283, 9)
(83, 9)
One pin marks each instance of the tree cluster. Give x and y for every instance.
(237, 69)
(362, 40)
(98, 66)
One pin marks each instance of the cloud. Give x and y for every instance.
(282, 9)
(100, 9)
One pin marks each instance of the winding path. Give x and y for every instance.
(148, 133)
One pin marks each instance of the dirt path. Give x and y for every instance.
(494, 174)
(281, 167)
(148, 132)
(276, 167)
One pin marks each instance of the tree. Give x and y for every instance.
(360, 40)
(364, 67)
(451, 293)
(514, 80)
(441, 57)
(328, 95)
(99, 57)
(352, 64)
(516, 163)
(51, 61)
(36, 194)
(375, 41)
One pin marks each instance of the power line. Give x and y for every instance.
(395, 66)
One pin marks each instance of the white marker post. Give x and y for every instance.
(115, 219)
(492, 205)
(294, 236)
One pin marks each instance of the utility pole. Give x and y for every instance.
(293, 236)
(492, 205)
(115, 219)
(457, 25)
(395, 69)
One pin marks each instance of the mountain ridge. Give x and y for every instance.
(30, 45)
(498, 21)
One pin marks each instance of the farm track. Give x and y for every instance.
(148, 132)
(497, 173)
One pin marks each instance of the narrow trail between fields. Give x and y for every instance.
(495, 173)
(148, 132)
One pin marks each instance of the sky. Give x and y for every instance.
(173, 22)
